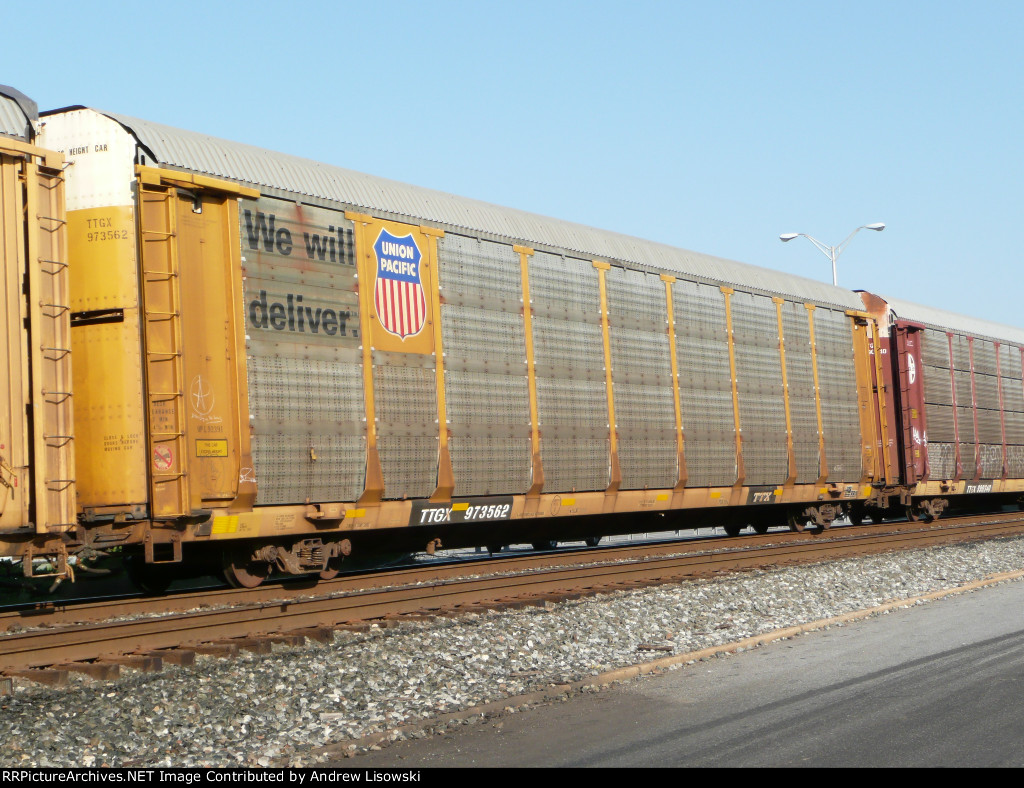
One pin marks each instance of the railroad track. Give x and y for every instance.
(45, 642)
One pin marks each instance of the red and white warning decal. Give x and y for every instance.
(163, 458)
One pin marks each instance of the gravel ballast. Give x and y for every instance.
(282, 708)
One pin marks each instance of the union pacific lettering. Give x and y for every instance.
(399, 259)
(293, 315)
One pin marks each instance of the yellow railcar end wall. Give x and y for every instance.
(37, 466)
(217, 446)
(14, 487)
(107, 373)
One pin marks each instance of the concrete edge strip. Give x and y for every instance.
(559, 691)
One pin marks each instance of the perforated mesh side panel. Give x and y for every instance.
(308, 439)
(984, 444)
(705, 384)
(759, 388)
(938, 398)
(405, 399)
(1013, 405)
(642, 379)
(572, 400)
(490, 443)
(304, 367)
(942, 460)
(486, 391)
(986, 389)
(837, 382)
(803, 412)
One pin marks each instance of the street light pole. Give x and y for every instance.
(833, 252)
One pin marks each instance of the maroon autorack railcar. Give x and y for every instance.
(957, 388)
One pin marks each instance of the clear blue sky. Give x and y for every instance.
(711, 126)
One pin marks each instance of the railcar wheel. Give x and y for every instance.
(241, 571)
(797, 523)
(592, 541)
(916, 514)
(494, 549)
(876, 516)
(732, 529)
(857, 515)
(545, 545)
(332, 570)
(760, 528)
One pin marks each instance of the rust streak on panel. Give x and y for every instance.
(537, 482)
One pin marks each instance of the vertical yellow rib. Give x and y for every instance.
(374, 489)
(613, 441)
(537, 483)
(445, 472)
(741, 472)
(680, 436)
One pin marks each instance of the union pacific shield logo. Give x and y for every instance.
(398, 292)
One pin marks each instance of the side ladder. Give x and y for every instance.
(50, 320)
(165, 376)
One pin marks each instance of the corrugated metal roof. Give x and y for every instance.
(199, 153)
(951, 321)
(17, 111)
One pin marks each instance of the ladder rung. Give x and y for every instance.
(159, 312)
(58, 263)
(166, 437)
(61, 307)
(51, 219)
(163, 478)
(166, 353)
(157, 232)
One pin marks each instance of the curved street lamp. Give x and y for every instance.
(833, 252)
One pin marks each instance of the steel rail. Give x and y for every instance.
(60, 613)
(435, 593)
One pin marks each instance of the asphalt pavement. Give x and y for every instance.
(938, 684)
